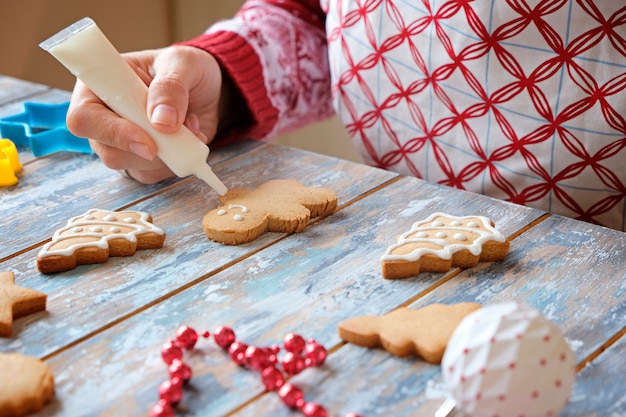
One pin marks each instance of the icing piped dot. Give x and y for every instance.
(437, 223)
(238, 217)
(109, 218)
(89, 217)
(96, 229)
(473, 224)
(460, 236)
(422, 235)
(77, 229)
(130, 220)
(441, 235)
(116, 229)
(456, 223)
(221, 212)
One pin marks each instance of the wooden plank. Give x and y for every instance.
(78, 306)
(572, 272)
(307, 282)
(56, 187)
(607, 373)
(13, 89)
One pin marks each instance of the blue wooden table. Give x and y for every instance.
(105, 324)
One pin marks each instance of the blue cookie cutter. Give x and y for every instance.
(42, 127)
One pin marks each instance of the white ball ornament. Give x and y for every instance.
(508, 360)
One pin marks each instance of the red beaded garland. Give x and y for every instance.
(293, 364)
(171, 391)
(299, 355)
(180, 369)
(171, 351)
(224, 336)
(186, 337)
(272, 378)
(311, 409)
(291, 396)
(162, 409)
(294, 343)
(237, 352)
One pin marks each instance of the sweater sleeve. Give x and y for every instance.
(275, 53)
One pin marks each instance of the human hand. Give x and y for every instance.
(184, 88)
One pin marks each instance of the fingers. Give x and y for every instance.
(168, 95)
(88, 117)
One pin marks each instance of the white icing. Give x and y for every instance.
(447, 249)
(441, 235)
(109, 218)
(244, 209)
(456, 223)
(97, 233)
(129, 220)
(238, 217)
(221, 212)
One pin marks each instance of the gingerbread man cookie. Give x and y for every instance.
(424, 332)
(97, 235)
(283, 206)
(16, 301)
(441, 242)
(26, 384)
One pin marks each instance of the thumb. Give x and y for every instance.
(168, 96)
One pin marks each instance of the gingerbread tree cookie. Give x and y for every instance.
(441, 242)
(283, 206)
(26, 384)
(16, 301)
(403, 332)
(97, 235)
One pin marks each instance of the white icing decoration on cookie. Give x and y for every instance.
(441, 235)
(456, 223)
(244, 209)
(237, 217)
(97, 232)
(460, 236)
(415, 235)
(129, 220)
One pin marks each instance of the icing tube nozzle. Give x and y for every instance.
(84, 50)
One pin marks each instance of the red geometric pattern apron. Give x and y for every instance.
(521, 100)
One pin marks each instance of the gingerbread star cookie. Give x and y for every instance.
(95, 236)
(441, 242)
(283, 206)
(16, 302)
(26, 384)
(403, 332)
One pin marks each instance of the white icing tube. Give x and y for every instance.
(84, 50)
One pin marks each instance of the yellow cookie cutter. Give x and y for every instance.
(9, 163)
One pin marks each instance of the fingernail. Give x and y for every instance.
(141, 150)
(164, 114)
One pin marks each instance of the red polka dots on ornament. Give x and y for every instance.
(300, 354)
